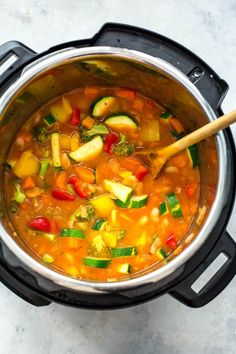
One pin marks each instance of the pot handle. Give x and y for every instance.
(20, 289)
(211, 86)
(184, 292)
(14, 50)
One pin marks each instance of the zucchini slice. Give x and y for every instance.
(119, 190)
(138, 201)
(48, 258)
(120, 122)
(50, 237)
(99, 223)
(165, 116)
(88, 151)
(55, 144)
(174, 205)
(103, 205)
(161, 253)
(102, 106)
(163, 208)
(124, 268)
(193, 156)
(124, 251)
(49, 120)
(97, 262)
(134, 202)
(97, 67)
(68, 232)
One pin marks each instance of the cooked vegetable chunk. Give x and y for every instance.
(82, 198)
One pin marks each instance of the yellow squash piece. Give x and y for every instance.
(61, 110)
(110, 239)
(103, 205)
(88, 151)
(26, 165)
(150, 131)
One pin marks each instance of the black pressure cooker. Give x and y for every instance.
(164, 71)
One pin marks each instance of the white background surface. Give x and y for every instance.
(162, 326)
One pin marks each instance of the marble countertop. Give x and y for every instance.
(162, 326)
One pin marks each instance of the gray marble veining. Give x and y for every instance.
(162, 326)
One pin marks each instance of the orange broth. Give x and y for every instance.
(150, 235)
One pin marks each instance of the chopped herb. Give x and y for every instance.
(13, 207)
(40, 133)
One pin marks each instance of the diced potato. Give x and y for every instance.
(150, 131)
(110, 239)
(142, 240)
(74, 141)
(26, 165)
(65, 141)
(61, 110)
(103, 205)
(72, 270)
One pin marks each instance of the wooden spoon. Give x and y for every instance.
(157, 158)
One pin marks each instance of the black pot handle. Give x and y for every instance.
(184, 292)
(212, 87)
(20, 289)
(13, 48)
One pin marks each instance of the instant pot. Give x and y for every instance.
(183, 83)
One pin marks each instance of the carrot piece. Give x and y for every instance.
(149, 104)
(27, 136)
(130, 164)
(24, 206)
(175, 123)
(91, 92)
(65, 161)
(103, 171)
(54, 227)
(24, 138)
(180, 160)
(190, 189)
(60, 180)
(88, 122)
(45, 199)
(129, 94)
(28, 183)
(138, 105)
(85, 174)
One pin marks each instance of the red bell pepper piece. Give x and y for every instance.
(80, 191)
(40, 223)
(110, 139)
(79, 187)
(61, 195)
(75, 118)
(54, 227)
(190, 189)
(171, 241)
(72, 179)
(141, 172)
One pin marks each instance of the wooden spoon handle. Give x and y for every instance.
(198, 135)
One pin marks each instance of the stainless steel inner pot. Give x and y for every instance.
(65, 70)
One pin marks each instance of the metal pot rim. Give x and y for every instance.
(70, 54)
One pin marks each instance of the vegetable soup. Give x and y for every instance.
(80, 197)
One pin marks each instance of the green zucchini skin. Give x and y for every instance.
(135, 202)
(98, 224)
(193, 155)
(121, 121)
(174, 205)
(124, 251)
(99, 108)
(68, 232)
(97, 262)
(163, 208)
(119, 190)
